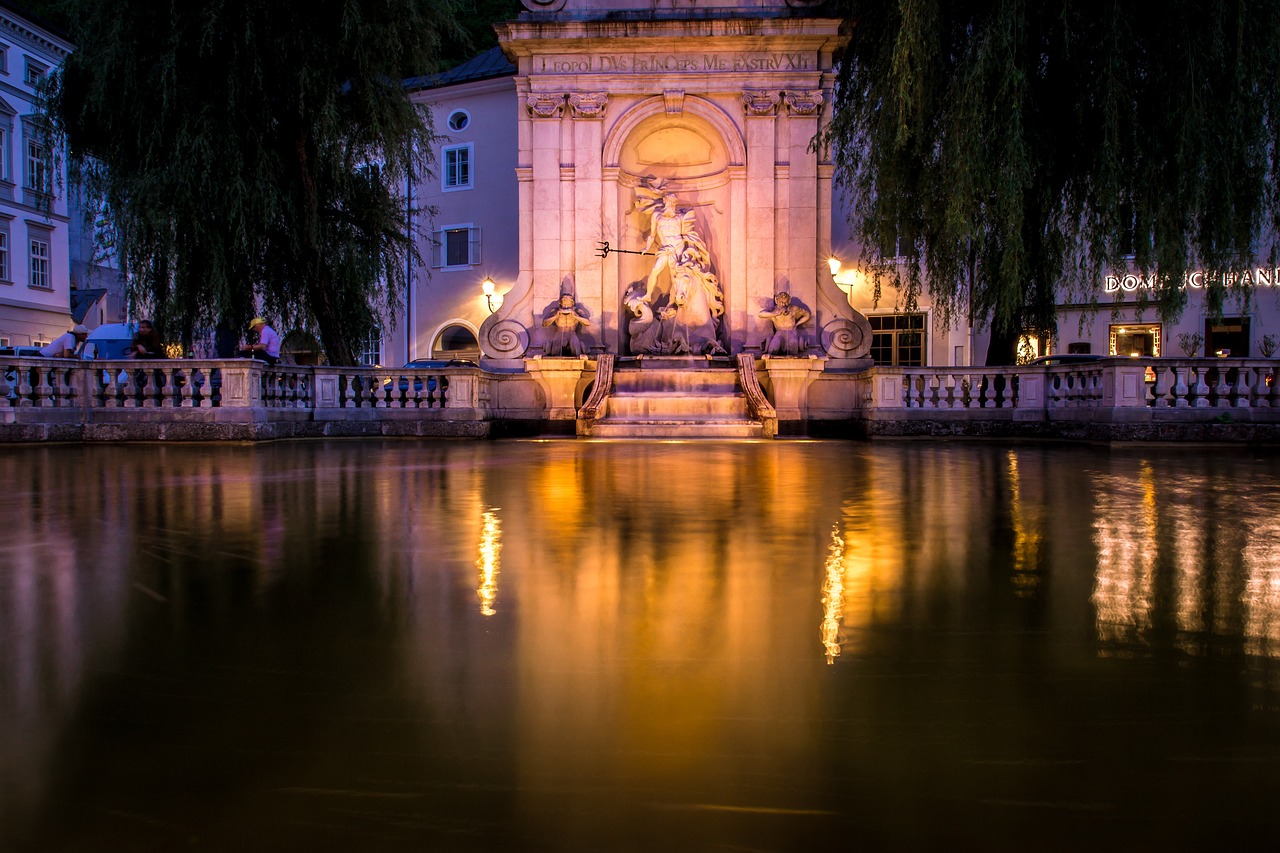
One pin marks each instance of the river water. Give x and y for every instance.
(575, 645)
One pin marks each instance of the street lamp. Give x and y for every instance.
(486, 287)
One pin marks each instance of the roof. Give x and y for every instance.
(492, 63)
(83, 300)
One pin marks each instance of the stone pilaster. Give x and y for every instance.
(761, 108)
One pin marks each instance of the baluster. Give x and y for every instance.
(130, 389)
(1200, 392)
(24, 387)
(1222, 391)
(929, 392)
(1272, 380)
(44, 391)
(188, 389)
(349, 392)
(1244, 388)
(442, 391)
(68, 390)
(1180, 389)
(6, 389)
(1161, 389)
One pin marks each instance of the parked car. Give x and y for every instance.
(423, 365)
(23, 351)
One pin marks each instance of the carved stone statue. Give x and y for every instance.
(787, 337)
(682, 299)
(563, 322)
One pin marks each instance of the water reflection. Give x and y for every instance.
(833, 597)
(487, 562)
(291, 631)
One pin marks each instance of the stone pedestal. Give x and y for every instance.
(560, 380)
(789, 378)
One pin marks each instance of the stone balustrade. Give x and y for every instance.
(192, 399)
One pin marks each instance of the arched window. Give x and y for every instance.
(456, 342)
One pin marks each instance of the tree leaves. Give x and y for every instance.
(1029, 147)
(253, 156)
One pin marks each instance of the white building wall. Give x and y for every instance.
(445, 297)
(32, 308)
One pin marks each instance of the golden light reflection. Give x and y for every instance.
(1124, 531)
(1262, 591)
(1028, 535)
(487, 563)
(833, 596)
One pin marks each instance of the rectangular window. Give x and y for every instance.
(4, 153)
(4, 59)
(4, 252)
(40, 263)
(456, 161)
(35, 72)
(456, 247)
(39, 173)
(371, 350)
(898, 340)
(1137, 340)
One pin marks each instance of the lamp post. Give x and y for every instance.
(487, 286)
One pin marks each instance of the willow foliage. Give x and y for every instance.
(1025, 148)
(252, 155)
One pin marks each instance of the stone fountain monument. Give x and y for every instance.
(668, 186)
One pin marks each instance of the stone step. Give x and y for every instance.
(675, 382)
(679, 406)
(656, 428)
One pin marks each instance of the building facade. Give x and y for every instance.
(550, 141)
(34, 222)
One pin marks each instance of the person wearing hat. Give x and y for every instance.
(268, 346)
(67, 345)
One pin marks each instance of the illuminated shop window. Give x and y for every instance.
(1135, 340)
(897, 340)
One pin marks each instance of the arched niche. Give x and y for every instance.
(698, 119)
(695, 152)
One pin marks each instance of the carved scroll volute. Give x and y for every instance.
(588, 104)
(804, 103)
(544, 105)
(756, 102)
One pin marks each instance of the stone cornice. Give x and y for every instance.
(39, 42)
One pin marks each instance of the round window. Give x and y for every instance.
(458, 120)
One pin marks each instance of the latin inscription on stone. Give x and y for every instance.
(665, 63)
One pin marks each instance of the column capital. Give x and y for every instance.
(544, 105)
(758, 102)
(588, 104)
(807, 103)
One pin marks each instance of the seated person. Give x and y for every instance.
(146, 342)
(268, 346)
(68, 345)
